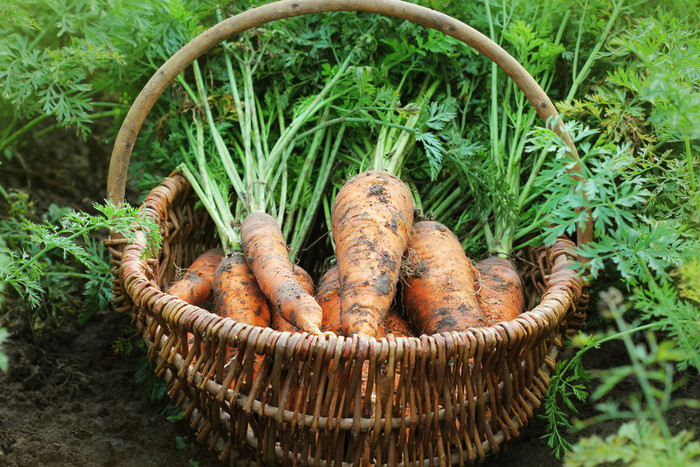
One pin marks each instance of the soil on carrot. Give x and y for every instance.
(68, 398)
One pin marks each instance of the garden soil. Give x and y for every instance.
(69, 398)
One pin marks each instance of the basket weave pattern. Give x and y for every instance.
(451, 398)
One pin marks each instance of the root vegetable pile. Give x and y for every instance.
(392, 268)
(393, 275)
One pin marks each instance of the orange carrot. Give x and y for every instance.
(397, 325)
(307, 283)
(266, 253)
(371, 218)
(440, 292)
(195, 288)
(305, 280)
(500, 290)
(236, 293)
(278, 322)
(327, 297)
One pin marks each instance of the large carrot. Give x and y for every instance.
(266, 253)
(371, 218)
(196, 287)
(236, 292)
(307, 283)
(440, 292)
(500, 290)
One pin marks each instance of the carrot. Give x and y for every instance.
(500, 290)
(440, 292)
(327, 297)
(371, 217)
(305, 280)
(195, 288)
(397, 325)
(278, 322)
(236, 293)
(307, 283)
(266, 253)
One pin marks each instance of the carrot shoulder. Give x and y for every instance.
(371, 218)
(266, 253)
(440, 292)
(196, 287)
(236, 292)
(500, 290)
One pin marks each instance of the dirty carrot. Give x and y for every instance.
(327, 297)
(371, 218)
(196, 287)
(440, 291)
(500, 290)
(305, 280)
(236, 293)
(307, 283)
(266, 253)
(397, 325)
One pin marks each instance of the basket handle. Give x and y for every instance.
(166, 74)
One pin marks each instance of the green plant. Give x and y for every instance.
(68, 63)
(44, 73)
(647, 435)
(637, 443)
(50, 261)
(4, 359)
(128, 342)
(643, 252)
(153, 387)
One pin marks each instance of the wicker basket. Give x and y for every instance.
(450, 398)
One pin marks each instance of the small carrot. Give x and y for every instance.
(266, 253)
(500, 290)
(307, 283)
(329, 300)
(196, 287)
(305, 280)
(371, 218)
(236, 293)
(397, 325)
(440, 292)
